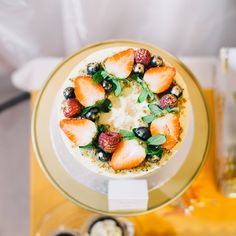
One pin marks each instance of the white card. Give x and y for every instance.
(127, 195)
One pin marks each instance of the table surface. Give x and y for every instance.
(202, 210)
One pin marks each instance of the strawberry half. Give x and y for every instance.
(159, 79)
(128, 154)
(120, 64)
(80, 131)
(86, 92)
(168, 125)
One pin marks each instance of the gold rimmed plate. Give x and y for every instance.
(91, 198)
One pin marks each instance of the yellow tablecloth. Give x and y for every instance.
(202, 210)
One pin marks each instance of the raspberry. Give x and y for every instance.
(142, 56)
(108, 141)
(71, 108)
(168, 100)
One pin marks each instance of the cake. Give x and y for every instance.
(122, 111)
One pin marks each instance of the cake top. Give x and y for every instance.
(123, 111)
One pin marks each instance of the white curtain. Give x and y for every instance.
(36, 28)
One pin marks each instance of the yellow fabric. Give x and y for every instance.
(202, 210)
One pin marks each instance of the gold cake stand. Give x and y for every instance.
(86, 197)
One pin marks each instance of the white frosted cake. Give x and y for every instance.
(123, 111)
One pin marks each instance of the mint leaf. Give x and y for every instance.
(151, 95)
(101, 128)
(149, 118)
(157, 152)
(104, 105)
(143, 96)
(155, 110)
(104, 74)
(127, 134)
(88, 146)
(117, 91)
(97, 77)
(85, 110)
(156, 140)
(172, 110)
(158, 112)
(133, 77)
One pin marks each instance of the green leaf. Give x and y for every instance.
(157, 152)
(136, 77)
(104, 105)
(155, 110)
(133, 77)
(172, 110)
(88, 146)
(97, 77)
(101, 128)
(149, 118)
(129, 137)
(143, 96)
(104, 74)
(157, 139)
(158, 112)
(117, 84)
(85, 110)
(151, 95)
(127, 134)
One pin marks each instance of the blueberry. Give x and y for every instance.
(69, 92)
(156, 61)
(138, 68)
(153, 158)
(103, 156)
(176, 90)
(92, 68)
(92, 114)
(142, 133)
(107, 85)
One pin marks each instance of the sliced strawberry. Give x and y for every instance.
(80, 131)
(128, 154)
(168, 125)
(87, 92)
(120, 64)
(159, 79)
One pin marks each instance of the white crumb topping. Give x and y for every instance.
(126, 112)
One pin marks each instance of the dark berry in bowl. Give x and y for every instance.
(138, 68)
(142, 56)
(93, 68)
(176, 90)
(71, 108)
(142, 133)
(103, 156)
(107, 85)
(92, 114)
(69, 93)
(168, 101)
